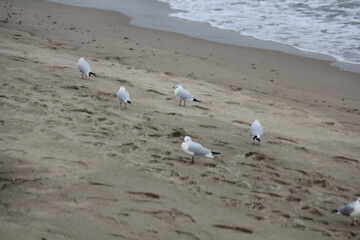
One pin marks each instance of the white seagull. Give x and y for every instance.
(84, 68)
(183, 94)
(256, 131)
(123, 96)
(350, 210)
(196, 149)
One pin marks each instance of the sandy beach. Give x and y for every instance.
(74, 165)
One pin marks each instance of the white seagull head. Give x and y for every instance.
(187, 139)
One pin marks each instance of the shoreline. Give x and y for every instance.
(74, 165)
(259, 64)
(155, 15)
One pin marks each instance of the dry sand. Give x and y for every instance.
(74, 165)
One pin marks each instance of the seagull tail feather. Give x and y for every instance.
(256, 137)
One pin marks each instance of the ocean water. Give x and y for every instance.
(330, 27)
(324, 29)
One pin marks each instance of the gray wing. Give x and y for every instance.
(198, 149)
(84, 67)
(123, 96)
(346, 210)
(184, 94)
(256, 130)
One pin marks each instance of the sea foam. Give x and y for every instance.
(328, 27)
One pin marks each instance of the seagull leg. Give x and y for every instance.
(120, 105)
(125, 105)
(82, 75)
(184, 103)
(180, 103)
(193, 160)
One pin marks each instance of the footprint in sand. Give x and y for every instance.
(292, 198)
(258, 156)
(232, 103)
(256, 217)
(176, 160)
(177, 132)
(111, 155)
(281, 214)
(255, 205)
(155, 156)
(174, 114)
(234, 228)
(107, 219)
(287, 139)
(303, 149)
(324, 233)
(93, 183)
(156, 136)
(145, 194)
(128, 147)
(202, 108)
(83, 110)
(207, 126)
(220, 143)
(156, 92)
(73, 87)
(345, 160)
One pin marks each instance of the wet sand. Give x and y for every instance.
(75, 166)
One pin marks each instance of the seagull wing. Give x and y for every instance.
(256, 129)
(198, 149)
(184, 94)
(123, 96)
(346, 210)
(84, 66)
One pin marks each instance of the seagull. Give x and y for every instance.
(123, 96)
(256, 131)
(183, 94)
(196, 149)
(350, 210)
(84, 68)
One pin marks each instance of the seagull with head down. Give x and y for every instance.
(84, 68)
(256, 131)
(123, 96)
(350, 210)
